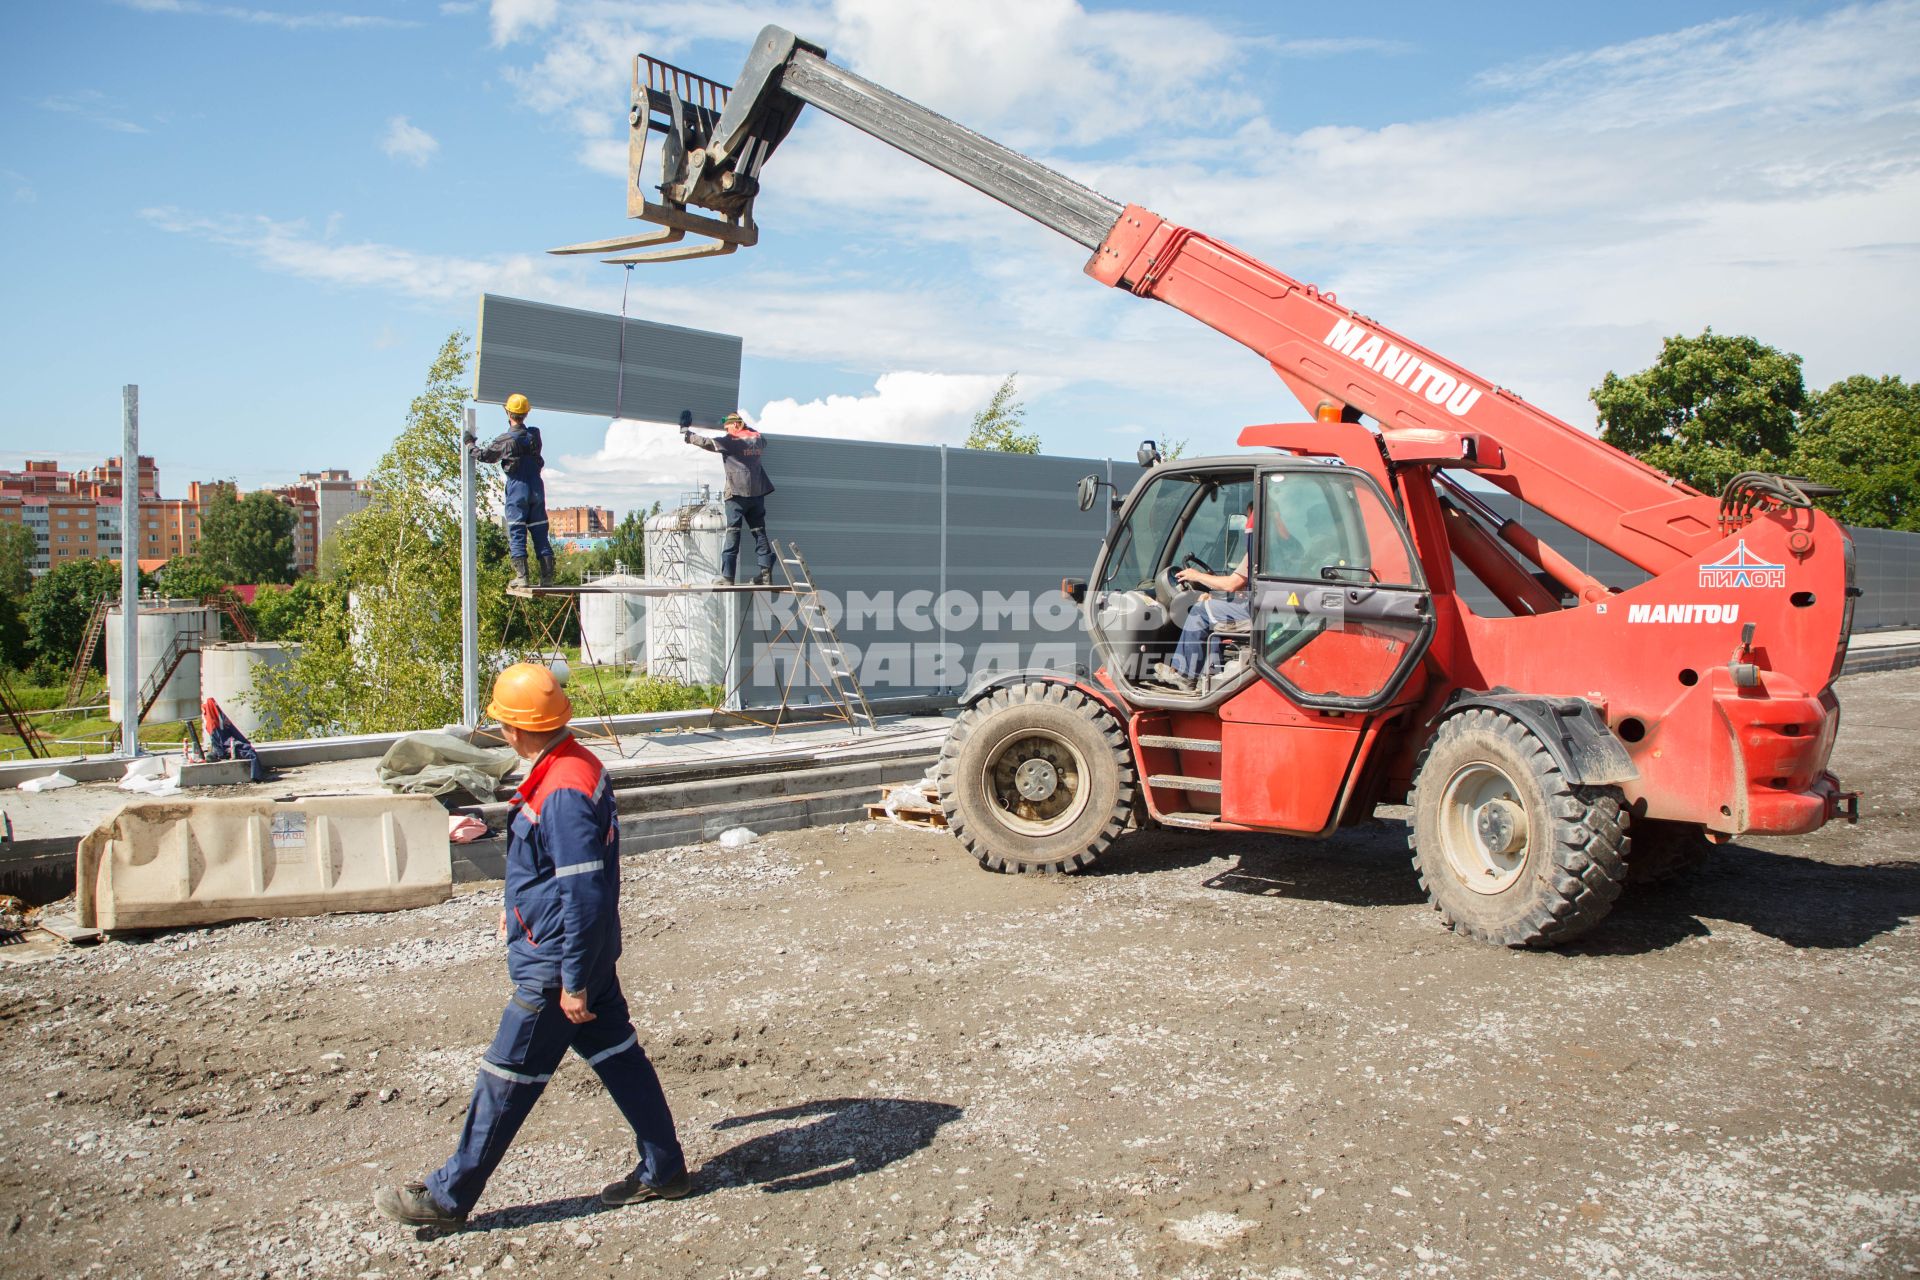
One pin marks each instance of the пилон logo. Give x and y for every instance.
(1741, 568)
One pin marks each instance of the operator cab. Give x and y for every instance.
(1300, 570)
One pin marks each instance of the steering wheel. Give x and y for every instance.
(1174, 596)
(1191, 561)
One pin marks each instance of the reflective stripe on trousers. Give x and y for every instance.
(534, 1036)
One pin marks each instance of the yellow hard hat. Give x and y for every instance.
(528, 696)
(517, 403)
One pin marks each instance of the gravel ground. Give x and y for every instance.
(1246, 1057)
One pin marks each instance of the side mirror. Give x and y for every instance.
(686, 417)
(1149, 454)
(1089, 492)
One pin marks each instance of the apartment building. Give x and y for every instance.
(75, 515)
(579, 522)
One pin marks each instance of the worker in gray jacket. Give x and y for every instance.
(746, 492)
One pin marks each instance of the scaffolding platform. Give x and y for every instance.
(647, 589)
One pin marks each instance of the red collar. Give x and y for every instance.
(543, 762)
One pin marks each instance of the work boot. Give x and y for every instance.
(633, 1189)
(1167, 673)
(721, 582)
(519, 572)
(546, 571)
(764, 578)
(415, 1205)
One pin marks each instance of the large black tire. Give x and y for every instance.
(1664, 850)
(1507, 849)
(1036, 778)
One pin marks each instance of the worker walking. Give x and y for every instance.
(746, 492)
(562, 918)
(517, 450)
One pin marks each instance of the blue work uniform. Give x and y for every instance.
(563, 929)
(1193, 654)
(517, 450)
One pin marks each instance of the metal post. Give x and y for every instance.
(469, 585)
(130, 570)
(732, 638)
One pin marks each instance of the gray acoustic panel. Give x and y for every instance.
(573, 361)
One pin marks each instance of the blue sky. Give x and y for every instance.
(269, 215)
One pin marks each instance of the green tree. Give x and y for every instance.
(189, 576)
(626, 547)
(1708, 408)
(998, 426)
(380, 643)
(15, 652)
(16, 560)
(247, 539)
(279, 613)
(59, 605)
(1862, 435)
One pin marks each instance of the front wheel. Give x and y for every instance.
(1035, 778)
(1664, 850)
(1508, 850)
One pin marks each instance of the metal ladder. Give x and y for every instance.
(89, 643)
(843, 687)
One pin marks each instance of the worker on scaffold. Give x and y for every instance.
(746, 492)
(562, 919)
(517, 450)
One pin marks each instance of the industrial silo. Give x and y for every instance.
(227, 674)
(171, 632)
(686, 631)
(613, 626)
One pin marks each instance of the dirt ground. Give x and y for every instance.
(1255, 1057)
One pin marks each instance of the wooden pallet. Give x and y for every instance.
(924, 815)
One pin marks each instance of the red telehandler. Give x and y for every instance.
(1587, 735)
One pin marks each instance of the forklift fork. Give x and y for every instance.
(714, 141)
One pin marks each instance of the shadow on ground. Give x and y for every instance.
(843, 1138)
(1363, 866)
(1795, 899)
(1800, 901)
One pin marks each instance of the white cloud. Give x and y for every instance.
(92, 106)
(514, 18)
(1339, 46)
(406, 141)
(638, 462)
(323, 21)
(1758, 175)
(454, 8)
(23, 191)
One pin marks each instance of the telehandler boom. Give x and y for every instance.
(1585, 735)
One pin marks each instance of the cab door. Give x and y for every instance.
(1341, 616)
(1341, 611)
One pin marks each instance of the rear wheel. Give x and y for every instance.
(1036, 778)
(1507, 849)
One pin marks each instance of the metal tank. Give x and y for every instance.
(168, 629)
(227, 673)
(613, 628)
(686, 632)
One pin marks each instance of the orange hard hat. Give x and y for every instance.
(528, 696)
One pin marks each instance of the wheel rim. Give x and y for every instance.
(1036, 782)
(1484, 832)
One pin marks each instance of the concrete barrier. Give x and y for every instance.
(162, 863)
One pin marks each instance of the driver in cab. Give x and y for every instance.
(1229, 603)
